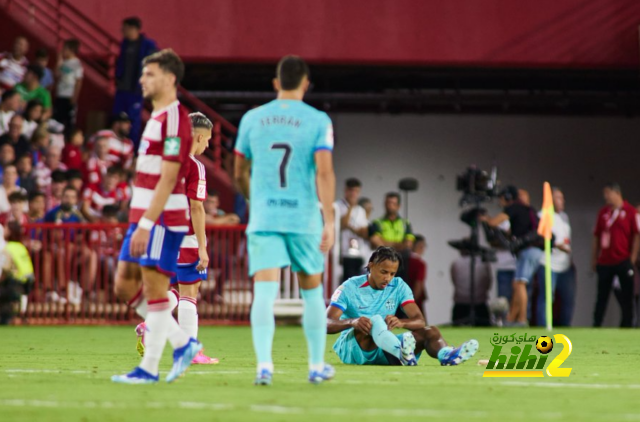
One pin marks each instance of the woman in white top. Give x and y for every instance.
(32, 117)
(9, 185)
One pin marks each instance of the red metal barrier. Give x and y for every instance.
(75, 268)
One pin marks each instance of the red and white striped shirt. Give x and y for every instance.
(196, 184)
(120, 150)
(11, 70)
(98, 198)
(167, 137)
(95, 169)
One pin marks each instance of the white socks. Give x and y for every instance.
(156, 334)
(139, 302)
(188, 316)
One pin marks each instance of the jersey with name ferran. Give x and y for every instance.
(281, 139)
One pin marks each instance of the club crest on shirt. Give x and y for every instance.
(172, 146)
(390, 305)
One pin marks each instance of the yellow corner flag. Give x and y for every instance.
(545, 230)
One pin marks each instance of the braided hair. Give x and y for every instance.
(385, 253)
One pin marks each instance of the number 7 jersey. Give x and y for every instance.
(280, 139)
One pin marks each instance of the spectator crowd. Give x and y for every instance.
(51, 171)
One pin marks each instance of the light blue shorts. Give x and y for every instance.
(527, 263)
(278, 250)
(350, 352)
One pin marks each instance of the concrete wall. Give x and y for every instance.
(578, 154)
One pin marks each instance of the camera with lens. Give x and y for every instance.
(477, 185)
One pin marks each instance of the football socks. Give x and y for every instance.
(314, 323)
(263, 324)
(384, 338)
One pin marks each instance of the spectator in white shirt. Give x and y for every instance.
(354, 231)
(8, 107)
(69, 73)
(32, 117)
(562, 271)
(9, 185)
(13, 66)
(368, 207)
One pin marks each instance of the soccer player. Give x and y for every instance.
(284, 158)
(158, 221)
(364, 310)
(193, 259)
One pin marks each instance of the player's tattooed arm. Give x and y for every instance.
(242, 175)
(336, 325)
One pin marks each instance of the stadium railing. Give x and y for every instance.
(75, 267)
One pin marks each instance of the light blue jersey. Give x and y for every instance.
(280, 138)
(356, 298)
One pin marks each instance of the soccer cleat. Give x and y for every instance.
(460, 354)
(140, 329)
(408, 347)
(264, 378)
(137, 376)
(327, 374)
(182, 358)
(202, 359)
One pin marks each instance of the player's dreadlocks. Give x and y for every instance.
(385, 253)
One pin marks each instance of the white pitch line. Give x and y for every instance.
(44, 371)
(569, 385)
(276, 409)
(62, 371)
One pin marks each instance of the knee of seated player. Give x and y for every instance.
(189, 290)
(427, 333)
(377, 319)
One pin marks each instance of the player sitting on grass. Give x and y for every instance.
(364, 310)
(193, 259)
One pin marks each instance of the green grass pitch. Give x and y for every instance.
(62, 374)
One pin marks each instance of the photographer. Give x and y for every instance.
(524, 223)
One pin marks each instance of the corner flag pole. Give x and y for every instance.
(544, 229)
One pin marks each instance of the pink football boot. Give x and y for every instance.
(202, 359)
